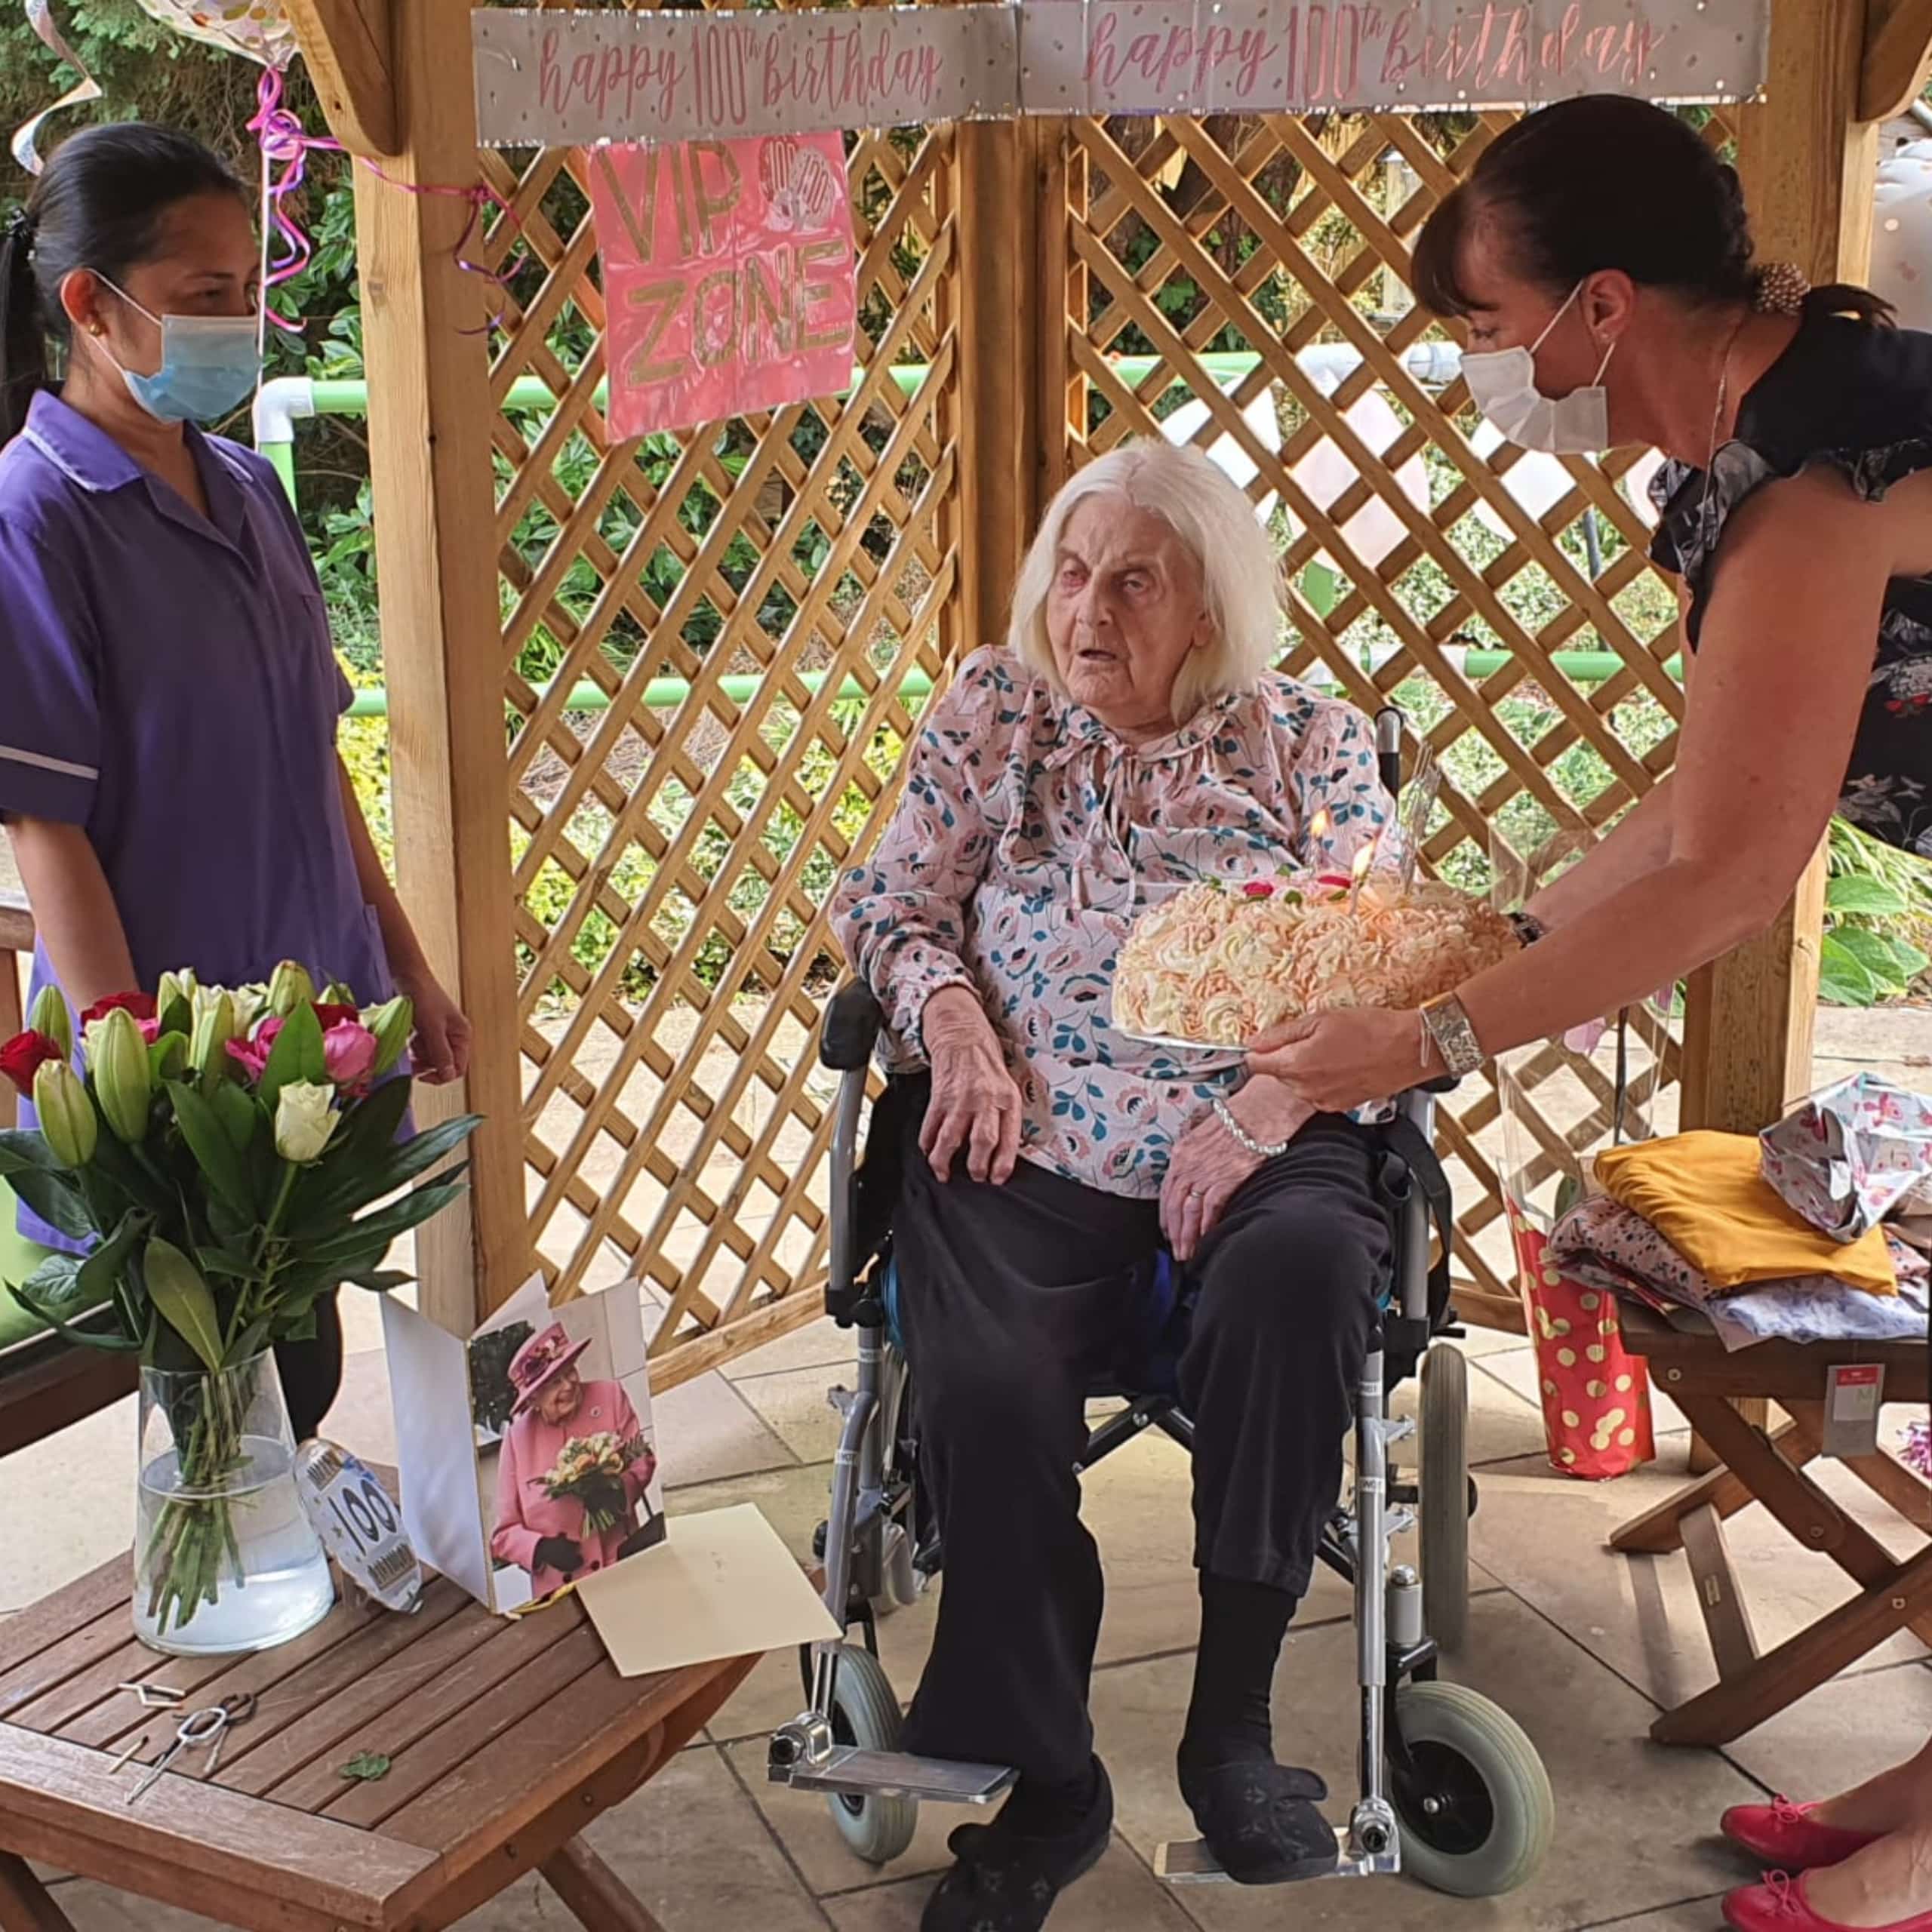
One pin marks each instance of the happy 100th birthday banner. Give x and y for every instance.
(556, 78)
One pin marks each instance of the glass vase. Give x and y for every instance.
(224, 1559)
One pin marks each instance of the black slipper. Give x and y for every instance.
(1259, 1820)
(1006, 1881)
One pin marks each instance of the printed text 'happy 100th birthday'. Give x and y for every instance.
(730, 75)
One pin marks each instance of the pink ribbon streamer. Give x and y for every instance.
(286, 145)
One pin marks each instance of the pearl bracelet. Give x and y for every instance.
(1259, 1148)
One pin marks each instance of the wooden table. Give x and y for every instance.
(506, 1739)
(1766, 1465)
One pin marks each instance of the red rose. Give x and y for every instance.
(141, 1005)
(336, 1016)
(24, 1055)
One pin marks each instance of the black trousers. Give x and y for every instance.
(311, 1370)
(1014, 1300)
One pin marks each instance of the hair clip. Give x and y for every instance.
(1779, 288)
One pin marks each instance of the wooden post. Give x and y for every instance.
(1807, 165)
(1000, 326)
(430, 418)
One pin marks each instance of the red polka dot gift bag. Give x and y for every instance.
(1595, 1395)
(1561, 1107)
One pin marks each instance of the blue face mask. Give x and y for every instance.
(210, 364)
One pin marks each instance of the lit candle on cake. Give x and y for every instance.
(1364, 858)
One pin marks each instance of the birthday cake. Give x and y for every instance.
(1218, 963)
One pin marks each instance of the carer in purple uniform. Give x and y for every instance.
(168, 689)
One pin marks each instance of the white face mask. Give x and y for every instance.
(1502, 384)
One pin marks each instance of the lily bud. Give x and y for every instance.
(305, 1117)
(118, 1057)
(50, 1017)
(289, 987)
(180, 984)
(67, 1122)
(336, 994)
(208, 1047)
(392, 1023)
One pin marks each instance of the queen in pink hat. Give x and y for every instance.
(553, 1536)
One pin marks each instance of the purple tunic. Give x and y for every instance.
(167, 681)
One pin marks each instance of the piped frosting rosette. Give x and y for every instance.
(1215, 965)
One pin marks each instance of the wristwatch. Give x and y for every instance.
(1529, 928)
(1446, 1026)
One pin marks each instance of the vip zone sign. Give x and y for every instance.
(728, 277)
(577, 78)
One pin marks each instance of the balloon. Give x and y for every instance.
(256, 29)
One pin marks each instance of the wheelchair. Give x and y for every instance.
(1451, 1788)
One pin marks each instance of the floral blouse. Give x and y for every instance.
(1857, 399)
(1029, 837)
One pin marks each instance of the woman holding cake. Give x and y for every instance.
(1797, 514)
(1129, 742)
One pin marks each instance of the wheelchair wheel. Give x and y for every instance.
(1443, 1505)
(865, 1713)
(1473, 1801)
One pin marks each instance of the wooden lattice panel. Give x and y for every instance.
(1271, 237)
(672, 857)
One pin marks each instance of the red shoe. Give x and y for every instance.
(1782, 1834)
(1779, 1906)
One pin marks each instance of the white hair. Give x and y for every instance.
(1210, 515)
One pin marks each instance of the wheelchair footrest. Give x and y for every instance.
(1189, 1861)
(850, 1773)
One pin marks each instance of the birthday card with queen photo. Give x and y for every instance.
(528, 1455)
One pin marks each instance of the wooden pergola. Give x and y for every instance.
(684, 1131)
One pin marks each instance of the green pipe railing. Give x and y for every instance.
(1582, 667)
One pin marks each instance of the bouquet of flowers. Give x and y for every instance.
(590, 1470)
(227, 1155)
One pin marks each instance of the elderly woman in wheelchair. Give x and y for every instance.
(1130, 741)
(1125, 744)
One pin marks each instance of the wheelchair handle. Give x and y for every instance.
(1388, 722)
(853, 1021)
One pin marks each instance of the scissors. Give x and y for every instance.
(203, 1729)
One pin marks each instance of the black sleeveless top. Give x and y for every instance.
(1860, 399)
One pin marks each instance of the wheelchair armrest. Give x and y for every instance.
(853, 1021)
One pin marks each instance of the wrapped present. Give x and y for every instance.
(1595, 1394)
(1852, 1153)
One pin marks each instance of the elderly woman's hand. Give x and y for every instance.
(975, 1104)
(1209, 1163)
(1343, 1059)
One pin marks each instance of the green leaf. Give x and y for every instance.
(381, 1174)
(367, 1767)
(56, 1200)
(176, 1017)
(381, 1227)
(175, 1286)
(1842, 981)
(1859, 893)
(166, 1056)
(131, 1175)
(42, 1310)
(379, 1282)
(1872, 951)
(102, 1270)
(296, 1055)
(56, 1280)
(214, 1153)
(20, 1150)
(238, 1112)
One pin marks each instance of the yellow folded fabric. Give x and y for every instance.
(1704, 1193)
